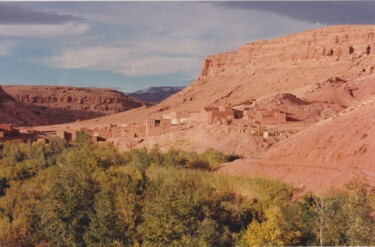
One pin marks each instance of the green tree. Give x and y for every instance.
(340, 217)
(117, 208)
(65, 216)
(273, 231)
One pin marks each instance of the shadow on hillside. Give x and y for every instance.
(49, 115)
(289, 118)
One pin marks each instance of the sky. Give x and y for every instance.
(134, 45)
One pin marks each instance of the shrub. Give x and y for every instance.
(199, 164)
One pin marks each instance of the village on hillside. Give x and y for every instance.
(253, 121)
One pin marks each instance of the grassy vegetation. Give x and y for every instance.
(85, 194)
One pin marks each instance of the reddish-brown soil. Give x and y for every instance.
(327, 154)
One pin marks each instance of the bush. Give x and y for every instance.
(91, 195)
(199, 164)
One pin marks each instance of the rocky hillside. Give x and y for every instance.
(45, 105)
(281, 65)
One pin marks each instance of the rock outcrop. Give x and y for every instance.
(281, 65)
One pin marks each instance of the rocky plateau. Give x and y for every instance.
(44, 105)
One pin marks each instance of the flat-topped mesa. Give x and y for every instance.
(332, 44)
(92, 99)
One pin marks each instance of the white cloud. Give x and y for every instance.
(153, 38)
(122, 60)
(102, 58)
(44, 31)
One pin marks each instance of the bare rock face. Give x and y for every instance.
(45, 105)
(281, 65)
(331, 45)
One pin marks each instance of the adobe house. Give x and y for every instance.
(133, 131)
(178, 117)
(104, 133)
(128, 130)
(156, 127)
(270, 116)
(211, 114)
(196, 116)
(138, 131)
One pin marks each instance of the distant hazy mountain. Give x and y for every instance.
(154, 94)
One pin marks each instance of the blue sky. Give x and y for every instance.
(134, 45)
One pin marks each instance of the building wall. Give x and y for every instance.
(276, 118)
(138, 131)
(6, 127)
(209, 116)
(158, 126)
(104, 133)
(178, 117)
(222, 115)
(206, 117)
(196, 116)
(180, 114)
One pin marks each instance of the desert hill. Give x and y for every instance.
(325, 155)
(45, 105)
(322, 79)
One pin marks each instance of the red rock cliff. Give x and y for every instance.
(281, 65)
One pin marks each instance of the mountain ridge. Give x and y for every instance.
(154, 94)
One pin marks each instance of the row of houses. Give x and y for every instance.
(169, 122)
(208, 115)
(212, 115)
(8, 132)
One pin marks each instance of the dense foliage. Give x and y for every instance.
(85, 194)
